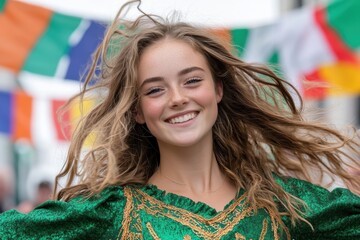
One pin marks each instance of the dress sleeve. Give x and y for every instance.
(99, 217)
(333, 214)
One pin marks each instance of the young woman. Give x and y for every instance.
(192, 143)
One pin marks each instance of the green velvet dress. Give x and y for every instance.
(149, 213)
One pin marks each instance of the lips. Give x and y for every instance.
(182, 118)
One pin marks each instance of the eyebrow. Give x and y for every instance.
(188, 70)
(181, 73)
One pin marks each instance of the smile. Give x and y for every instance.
(183, 118)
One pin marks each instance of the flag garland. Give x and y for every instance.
(22, 116)
(44, 42)
(317, 44)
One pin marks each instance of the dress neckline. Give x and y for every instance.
(185, 203)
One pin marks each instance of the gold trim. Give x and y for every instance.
(275, 225)
(152, 231)
(126, 217)
(238, 236)
(206, 228)
(219, 217)
(235, 221)
(135, 236)
(264, 229)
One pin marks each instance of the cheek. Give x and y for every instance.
(207, 97)
(151, 110)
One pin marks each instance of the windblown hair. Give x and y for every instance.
(259, 130)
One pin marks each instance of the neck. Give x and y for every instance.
(193, 169)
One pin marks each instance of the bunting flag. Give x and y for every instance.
(62, 132)
(15, 114)
(317, 44)
(37, 119)
(339, 23)
(315, 48)
(65, 122)
(44, 42)
(6, 107)
(2, 4)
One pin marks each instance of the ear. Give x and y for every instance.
(139, 116)
(219, 91)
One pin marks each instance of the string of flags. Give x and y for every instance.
(315, 44)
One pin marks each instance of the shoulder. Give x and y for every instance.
(109, 194)
(99, 215)
(105, 201)
(300, 188)
(312, 193)
(332, 214)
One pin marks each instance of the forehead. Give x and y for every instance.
(167, 57)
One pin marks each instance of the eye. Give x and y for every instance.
(193, 80)
(153, 91)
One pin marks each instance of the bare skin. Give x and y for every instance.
(206, 184)
(178, 103)
(193, 172)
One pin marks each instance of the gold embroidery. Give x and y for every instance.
(238, 236)
(126, 218)
(209, 228)
(152, 232)
(134, 236)
(221, 216)
(137, 224)
(264, 230)
(235, 221)
(212, 228)
(275, 225)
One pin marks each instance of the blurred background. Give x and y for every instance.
(45, 46)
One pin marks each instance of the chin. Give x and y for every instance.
(186, 142)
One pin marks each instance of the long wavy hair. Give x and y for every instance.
(259, 130)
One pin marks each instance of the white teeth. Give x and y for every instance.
(183, 118)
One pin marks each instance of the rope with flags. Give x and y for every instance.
(313, 44)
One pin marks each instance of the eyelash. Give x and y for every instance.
(157, 89)
(153, 91)
(193, 80)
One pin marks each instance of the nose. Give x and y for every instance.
(178, 98)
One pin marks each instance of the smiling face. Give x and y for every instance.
(178, 95)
